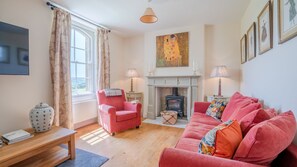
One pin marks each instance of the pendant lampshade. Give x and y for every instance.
(149, 16)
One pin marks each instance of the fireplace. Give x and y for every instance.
(175, 102)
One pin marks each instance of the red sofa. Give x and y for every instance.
(185, 153)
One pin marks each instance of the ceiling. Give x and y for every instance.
(122, 16)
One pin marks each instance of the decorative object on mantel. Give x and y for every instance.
(151, 70)
(287, 20)
(172, 50)
(149, 16)
(131, 73)
(219, 71)
(265, 30)
(196, 70)
(42, 116)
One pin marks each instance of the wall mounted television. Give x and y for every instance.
(14, 50)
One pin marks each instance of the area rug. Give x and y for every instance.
(158, 121)
(85, 159)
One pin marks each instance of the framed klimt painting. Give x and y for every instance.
(265, 30)
(287, 13)
(243, 49)
(251, 42)
(172, 50)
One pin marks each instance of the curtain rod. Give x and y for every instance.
(54, 5)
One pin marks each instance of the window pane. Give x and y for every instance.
(81, 85)
(80, 40)
(81, 70)
(73, 84)
(72, 70)
(72, 37)
(80, 55)
(72, 54)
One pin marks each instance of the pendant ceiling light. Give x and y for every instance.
(149, 16)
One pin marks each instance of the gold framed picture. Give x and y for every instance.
(243, 49)
(265, 30)
(172, 50)
(287, 19)
(251, 42)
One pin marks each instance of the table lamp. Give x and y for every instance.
(131, 73)
(219, 71)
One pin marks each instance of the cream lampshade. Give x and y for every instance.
(149, 15)
(131, 73)
(219, 72)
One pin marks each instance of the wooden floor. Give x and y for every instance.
(135, 147)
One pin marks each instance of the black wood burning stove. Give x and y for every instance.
(175, 102)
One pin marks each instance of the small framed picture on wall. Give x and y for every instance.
(287, 19)
(265, 30)
(251, 42)
(243, 49)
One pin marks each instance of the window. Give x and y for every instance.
(82, 61)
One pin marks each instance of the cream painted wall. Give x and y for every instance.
(272, 75)
(19, 94)
(222, 48)
(134, 58)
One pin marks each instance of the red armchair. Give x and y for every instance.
(115, 114)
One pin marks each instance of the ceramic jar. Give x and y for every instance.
(42, 116)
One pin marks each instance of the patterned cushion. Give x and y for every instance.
(221, 141)
(216, 108)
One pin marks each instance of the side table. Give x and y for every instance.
(131, 96)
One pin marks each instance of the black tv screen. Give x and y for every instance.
(14, 50)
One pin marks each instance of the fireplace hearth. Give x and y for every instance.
(175, 102)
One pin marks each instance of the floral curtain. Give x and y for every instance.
(103, 59)
(60, 68)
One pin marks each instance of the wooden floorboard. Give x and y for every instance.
(135, 147)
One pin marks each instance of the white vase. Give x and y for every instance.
(42, 116)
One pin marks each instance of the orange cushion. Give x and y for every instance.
(222, 141)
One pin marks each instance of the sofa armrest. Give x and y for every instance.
(201, 106)
(132, 106)
(172, 157)
(107, 109)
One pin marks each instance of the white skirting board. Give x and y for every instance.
(158, 121)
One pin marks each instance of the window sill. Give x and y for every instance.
(83, 98)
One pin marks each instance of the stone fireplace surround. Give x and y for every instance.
(155, 83)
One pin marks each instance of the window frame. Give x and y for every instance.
(90, 33)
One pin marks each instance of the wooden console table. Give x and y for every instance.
(41, 150)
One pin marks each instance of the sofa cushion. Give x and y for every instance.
(252, 119)
(188, 144)
(216, 108)
(243, 111)
(221, 141)
(125, 115)
(196, 131)
(236, 101)
(267, 139)
(204, 119)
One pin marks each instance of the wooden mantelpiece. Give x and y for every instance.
(156, 82)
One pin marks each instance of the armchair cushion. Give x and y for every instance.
(267, 139)
(125, 115)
